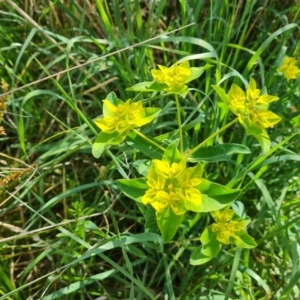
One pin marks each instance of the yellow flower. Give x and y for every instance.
(174, 77)
(173, 185)
(289, 68)
(124, 116)
(251, 109)
(225, 228)
(251, 106)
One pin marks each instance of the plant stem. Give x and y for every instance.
(234, 269)
(212, 136)
(147, 139)
(179, 124)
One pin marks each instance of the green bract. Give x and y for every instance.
(172, 189)
(174, 77)
(119, 118)
(174, 186)
(251, 110)
(227, 229)
(172, 80)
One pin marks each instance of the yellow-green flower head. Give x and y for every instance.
(174, 77)
(251, 106)
(289, 68)
(225, 228)
(122, 117)
(173, 185)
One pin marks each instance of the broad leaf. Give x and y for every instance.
(206, 235)
(150, 114)
(215, 196)
(101, 141)
(112, 98)
(221, 93)
(217, 153)
(133, 188)
(147, 86)
(206, 252)
(172, 154)
(168, 223)
(259, 133)
(295, 121)
(197, 72)
(150, 219)
(245, 241)
(141, 87)
(265, 143)
(183, 92)
(145, 147)
(142, 166)
(156, 86)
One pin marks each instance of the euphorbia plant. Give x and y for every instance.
(172, 181)
(251, 110)
(172, 189)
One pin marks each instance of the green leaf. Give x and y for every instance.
(183, 92)
(172, 154)
(197, 72)
(245, 241)
(168, 223)
(97, 149)
(206, 235)
(155, 86)
(143, 146)
(147, 86)
(295, 121)
(103, 139)
(142, 166)
(259, 133)
(100, 143)
(217, 153)
(221, 93)
(150, 219)
(112, 98)
(133, 188)
(150, 114)
(206, 252)
(265, 143)
(215, 196)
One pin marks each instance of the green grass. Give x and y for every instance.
(49, 126)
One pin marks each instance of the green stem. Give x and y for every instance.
(148, 140)
(212, 136)
(179, 124)
(234, 269)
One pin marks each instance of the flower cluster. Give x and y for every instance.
(226, 229)
(289, 68)
(174, 77)
(121, 117)
(251, 106)
(169, 187)
(173, 185)
(251, 109)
